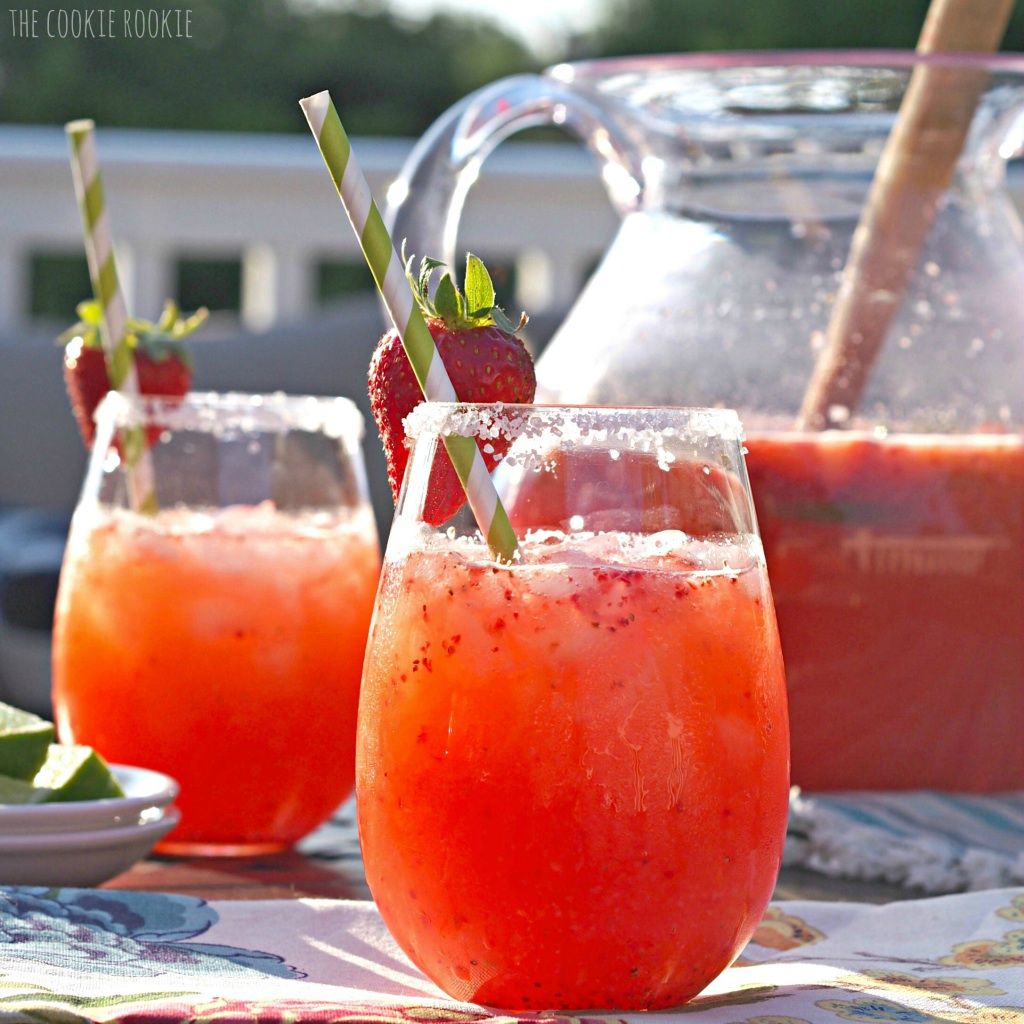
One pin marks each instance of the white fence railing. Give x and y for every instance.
(267, 201)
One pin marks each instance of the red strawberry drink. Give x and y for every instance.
(220, 638)
(572, 769)
(897, 567)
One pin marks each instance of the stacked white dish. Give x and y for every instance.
(86, 842)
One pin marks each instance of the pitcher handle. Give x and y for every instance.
(425, 201)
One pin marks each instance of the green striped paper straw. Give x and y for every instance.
(386, 267)
(99, 254)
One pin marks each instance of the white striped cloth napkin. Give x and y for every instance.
(935, 842)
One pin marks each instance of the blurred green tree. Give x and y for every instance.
(249, 61)
(659, 26)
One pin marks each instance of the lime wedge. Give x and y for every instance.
(17, 791)
(73, 772)
(24, 741)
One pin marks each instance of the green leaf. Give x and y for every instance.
(155, 346)
(479, 289)
(89, 312)
(79, 330)
(172, 327)
(169, 318)
(407, 264)
(427, 267)
(448, 301)
(182, 328)
(502, 320)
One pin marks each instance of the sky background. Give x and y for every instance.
(544, 24)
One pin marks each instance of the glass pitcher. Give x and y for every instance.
(895, 544)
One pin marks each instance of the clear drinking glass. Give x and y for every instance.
(572, 769)
(220, 639)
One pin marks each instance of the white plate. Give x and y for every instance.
(80, 857)
(144, 790)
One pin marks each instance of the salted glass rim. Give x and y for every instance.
(486, 420)
(255, 412)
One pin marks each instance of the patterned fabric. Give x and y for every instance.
(935, 842)
(75, 955)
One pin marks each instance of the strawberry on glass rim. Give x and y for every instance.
(163, 364)
(485, 359)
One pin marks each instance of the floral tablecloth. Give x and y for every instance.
(74, 955)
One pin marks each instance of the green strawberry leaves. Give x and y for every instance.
(479, 288)
(427, 267)
(474, 306)
(160, 341)
(501, 320)
(448, 303)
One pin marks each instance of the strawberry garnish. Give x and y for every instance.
(163, 364)
(484, 358)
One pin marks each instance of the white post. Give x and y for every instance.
(549, 280)
(14, 284)
(277, 284)
(148, 271)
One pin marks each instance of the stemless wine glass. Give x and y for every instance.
(220, 638)
(572, 769)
